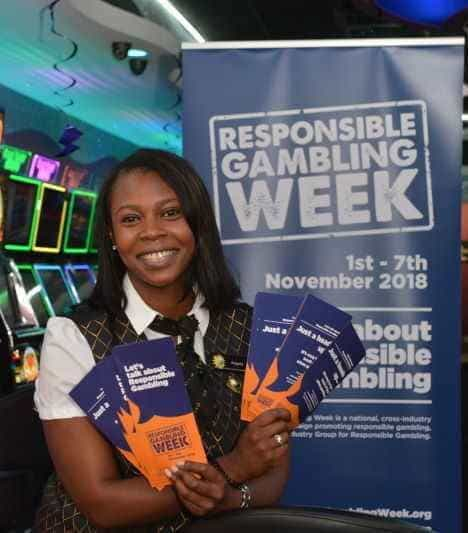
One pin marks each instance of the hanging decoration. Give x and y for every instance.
(70, 133)
(72, 81)
(69, 136)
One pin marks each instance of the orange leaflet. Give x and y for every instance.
(267, 399)
(251, 381)
(161, 442)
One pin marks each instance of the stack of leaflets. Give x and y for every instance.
(137, 398)
(300, 350)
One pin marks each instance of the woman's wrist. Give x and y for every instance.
(238, 494)
(232, 500)
(232, 468)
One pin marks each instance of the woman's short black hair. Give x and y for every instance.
(208, 269)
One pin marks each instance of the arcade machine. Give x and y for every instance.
(54, 226)
(24, 459)
(18, 317)
(44, 229)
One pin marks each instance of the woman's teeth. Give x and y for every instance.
(159, 255)
(158, 258)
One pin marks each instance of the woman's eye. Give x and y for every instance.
(129, 219)
(172, 212)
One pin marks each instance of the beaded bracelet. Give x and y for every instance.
(223, 472)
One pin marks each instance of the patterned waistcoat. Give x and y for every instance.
(214, 389)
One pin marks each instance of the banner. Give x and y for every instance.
(334, 168)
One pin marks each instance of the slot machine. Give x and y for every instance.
(44, 228)
(21, 334)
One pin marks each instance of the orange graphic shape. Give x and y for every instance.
(267, 399)
(251, 381)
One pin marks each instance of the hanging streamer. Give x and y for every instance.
(168, 125)
(51, 9)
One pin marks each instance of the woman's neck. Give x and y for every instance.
(174, 308)
(171, 301)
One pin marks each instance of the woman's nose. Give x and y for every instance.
(153, 229)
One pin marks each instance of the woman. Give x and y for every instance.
(159, 254)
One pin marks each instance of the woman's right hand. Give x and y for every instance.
(259, 448)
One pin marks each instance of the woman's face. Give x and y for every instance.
(152, 236)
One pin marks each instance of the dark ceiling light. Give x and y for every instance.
(432, 12)
(120, 49)
(138, 65)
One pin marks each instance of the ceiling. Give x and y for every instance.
(59, 51)
(221, 20)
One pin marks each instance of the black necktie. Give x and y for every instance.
(185, 327)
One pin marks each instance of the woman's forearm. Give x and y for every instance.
(125, 502)
(265, 490)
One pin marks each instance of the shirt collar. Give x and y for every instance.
(141, 314)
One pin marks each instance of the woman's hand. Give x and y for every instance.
(261, 445)
(199, 487)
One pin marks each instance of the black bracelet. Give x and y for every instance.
(226, 476)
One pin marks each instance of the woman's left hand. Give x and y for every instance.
(199, 487)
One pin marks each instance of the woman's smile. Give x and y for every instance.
(158, 259)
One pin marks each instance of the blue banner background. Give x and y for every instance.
(395, 272)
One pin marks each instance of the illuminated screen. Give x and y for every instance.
(34, 290)
(21, 200)
(80, 219)
(50, 218)
(83, 280)
(56, 289)
(5, 301)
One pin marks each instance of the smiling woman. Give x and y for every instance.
(153, 239)
(160, 260)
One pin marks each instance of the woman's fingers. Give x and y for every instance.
(188, 495)
(205, 471)
(198, 485)
(272, 415)
(275, 428)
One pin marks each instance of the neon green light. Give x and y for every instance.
(14, 159)
(53, 249)
(92, 242)
(26, 247)
(74, 194)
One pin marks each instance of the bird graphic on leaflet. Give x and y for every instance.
(268, 398)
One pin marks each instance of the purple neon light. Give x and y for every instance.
(43, 168)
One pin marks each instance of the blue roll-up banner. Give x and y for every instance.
(334, 168)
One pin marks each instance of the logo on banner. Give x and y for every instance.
(316, 173)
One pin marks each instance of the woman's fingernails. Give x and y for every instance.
(174, 468)
(168, 473)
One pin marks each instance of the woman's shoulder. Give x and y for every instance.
(85, 312)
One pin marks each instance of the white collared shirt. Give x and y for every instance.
(66, 356)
